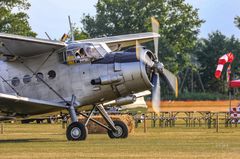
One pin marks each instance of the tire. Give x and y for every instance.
(76, 131)
(38, 121)
(122, 130)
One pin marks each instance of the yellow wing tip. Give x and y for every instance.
(137, 49)
(154, 21)
(176, 92)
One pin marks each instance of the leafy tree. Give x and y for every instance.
(208, 51)
(78, 33)
(179, 24)
(237, 21)
(15, 22)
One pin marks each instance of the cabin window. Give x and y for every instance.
(15, 81)
(26, 79)
(70, 57)
(39, 76)
(51, 74)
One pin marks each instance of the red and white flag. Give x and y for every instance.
(229, 57)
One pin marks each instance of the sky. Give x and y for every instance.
(219, 15)
(52, 16)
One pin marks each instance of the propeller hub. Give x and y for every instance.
(158, 66)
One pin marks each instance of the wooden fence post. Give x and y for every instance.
(217, 123)
(144, 123)
(2, 128)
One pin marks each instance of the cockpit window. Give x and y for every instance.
(100, 49)
(84, 52)
(95, 51)
(91, 52)
(80, 53)
(70, 57)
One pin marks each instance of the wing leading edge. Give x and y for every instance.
(121, 41)
(27, 106)
(26, 46)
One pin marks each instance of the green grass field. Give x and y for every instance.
(32, 141)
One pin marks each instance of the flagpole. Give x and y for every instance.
(227, 58)
(229, 88)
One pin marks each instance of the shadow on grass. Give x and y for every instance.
(29, 140)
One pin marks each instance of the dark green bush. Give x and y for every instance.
(195, 96)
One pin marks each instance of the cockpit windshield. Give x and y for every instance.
(95, 51)
(84, 52)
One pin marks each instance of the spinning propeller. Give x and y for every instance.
(157, 69)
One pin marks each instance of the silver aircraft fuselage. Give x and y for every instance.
(122, 73)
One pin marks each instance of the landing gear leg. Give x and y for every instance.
(75, 131)
(118, 129)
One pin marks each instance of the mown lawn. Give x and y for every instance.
(32, 141)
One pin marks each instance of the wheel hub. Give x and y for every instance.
(119, 131)
(76, 132)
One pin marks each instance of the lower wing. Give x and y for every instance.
(11, 104)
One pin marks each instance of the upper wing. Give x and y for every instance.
(121, 41)
(26, 46)
(27, 106)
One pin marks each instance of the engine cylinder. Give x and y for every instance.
(126, 100)
(108, 79)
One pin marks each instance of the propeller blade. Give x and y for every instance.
(155, 29)
(172, 80)
(140, 54)
(156, 93)
(138, 49)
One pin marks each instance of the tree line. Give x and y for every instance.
(180, 49)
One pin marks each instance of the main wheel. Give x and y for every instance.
(76, 131)
(122, 130)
